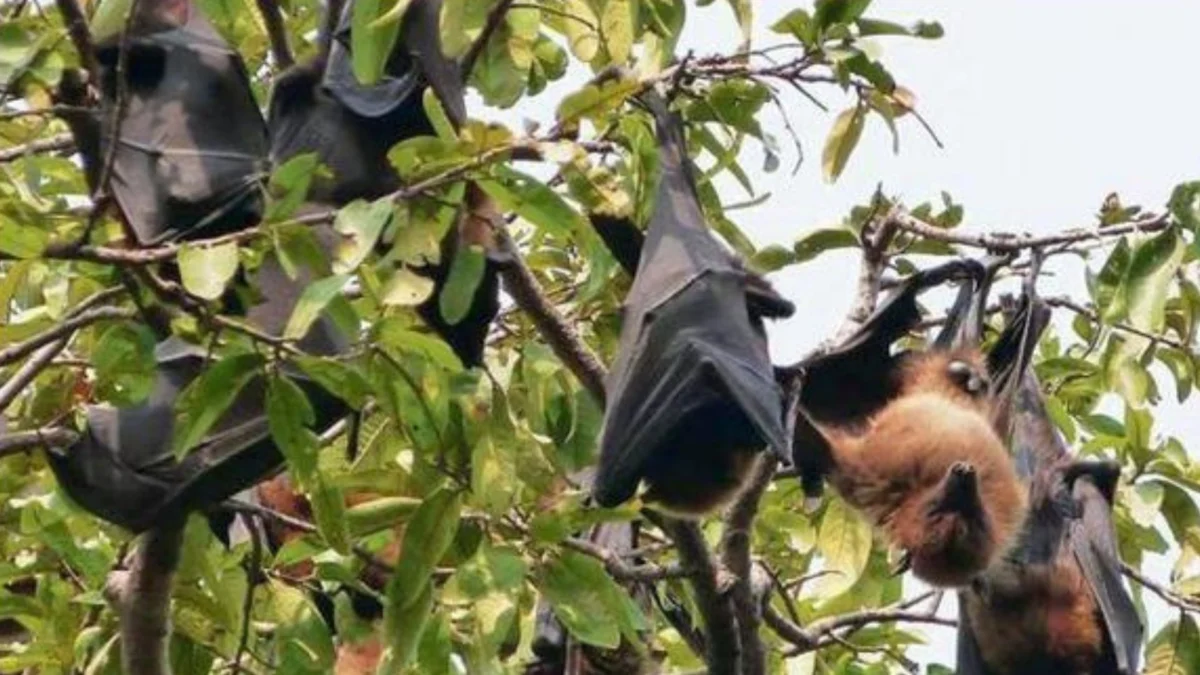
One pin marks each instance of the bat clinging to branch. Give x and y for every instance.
(1055, 603)
(914, 447)
(691, 395)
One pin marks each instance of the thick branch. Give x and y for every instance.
(52, 144)
(277, 32)
(81, 37)
(24, 441)
(736, 547)
(12, 387)
(142, 597)
(720, 624)
(26, 347)
(564, 341)
(490, 26)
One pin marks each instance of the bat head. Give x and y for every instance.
(956, 540)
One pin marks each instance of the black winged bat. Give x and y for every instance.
(321, 107)
(908, 438)
(123, 467)
(176, 174)
(691, 397)
(1055, 602)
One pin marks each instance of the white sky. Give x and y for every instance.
(1044, 108)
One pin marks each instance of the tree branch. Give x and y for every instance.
(621, 570)
(1184, 604)
(563, 340)
(81, 37)
(142, 597)
(1091, 314)
(835, 630)
(277, 32)
(12, 387)
(26, 347)
(1002, 242)
(51, 144)
(490, 26)
(736, 548)
(720, 624)
(23, 441)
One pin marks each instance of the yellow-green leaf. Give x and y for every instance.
(847, 129)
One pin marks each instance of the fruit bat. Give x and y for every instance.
(123, 467)
(321, 107)
(1055, 602)
(908, 438)
(176, 174)
(691, 397)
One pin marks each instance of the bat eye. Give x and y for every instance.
(967, 379)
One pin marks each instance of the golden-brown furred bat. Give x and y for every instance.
(1055, 602)
(908, 438)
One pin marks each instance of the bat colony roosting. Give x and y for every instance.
(948, 451)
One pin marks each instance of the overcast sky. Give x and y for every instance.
(1044, 108)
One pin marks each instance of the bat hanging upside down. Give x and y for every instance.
(930, 470)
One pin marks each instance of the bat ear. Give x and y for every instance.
(1103, 473)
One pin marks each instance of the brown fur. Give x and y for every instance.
(895, 469)
(1038, 619)
(700, 483)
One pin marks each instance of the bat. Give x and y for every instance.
(321, 107)
(1055, 602)
(916, 451)
(175, 174)
(123, 468)
(691, 396)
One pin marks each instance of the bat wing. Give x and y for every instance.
(123, 468)
(1093, 541)
(690, 350)
(417, 60)
(175, 173)
(968, 659)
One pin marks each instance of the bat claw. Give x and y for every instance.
(903, 565)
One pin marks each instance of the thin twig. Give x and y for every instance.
(621, 570)
(1184, 604)
(1094, 316)
(253, 569)
(490, 26)
(1001, 242)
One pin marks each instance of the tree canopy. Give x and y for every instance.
(452, 504)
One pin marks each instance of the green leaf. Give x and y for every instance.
(290, 183)
(340, 379)
(458, 294)
(371, 45)
(580, 26)
(797, 23)
(594, 101)
(360, 223)
(817, 242)
(406, 289)
(380, 514)
(124, 362)
(1148, 279)
(616, 25)
(844, 541)
(533, 200)
(202, 403)
(329, 512)
(772, 258)
(397, 335)
(426, 539)
(289, 416)
(406, 625)
(207, 270)
(842, 139)
(436, 112)
(1175, 650)
(588, 602)
(831, 12)
(1184, 206)
(109, 19)
(312, 302)
(20, 241)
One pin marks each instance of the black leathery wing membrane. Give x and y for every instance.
(323, 108)
(1070, 505)
(176, 174)
(843, 386)
(123, 468)
(692, 368)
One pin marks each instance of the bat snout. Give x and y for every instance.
(960, 491)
